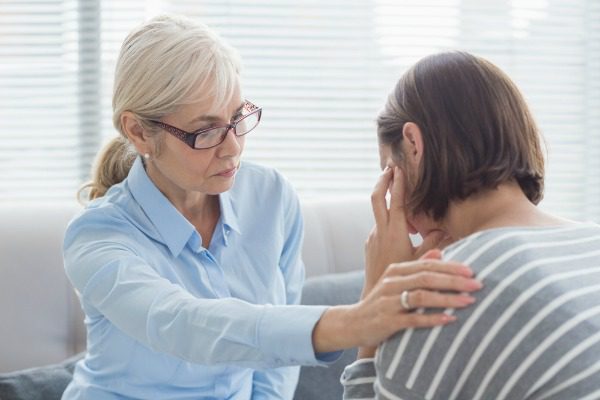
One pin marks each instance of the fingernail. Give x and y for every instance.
(448, 318)
(467, 300)
(474, 284)
(466, 271)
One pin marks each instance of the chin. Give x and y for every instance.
(219, 188)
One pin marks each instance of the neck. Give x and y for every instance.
(193, 205)
(504, 206)
(196, 207)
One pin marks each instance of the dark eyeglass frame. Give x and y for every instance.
(189, 138)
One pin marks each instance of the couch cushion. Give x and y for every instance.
(43, 383)
(335, 234)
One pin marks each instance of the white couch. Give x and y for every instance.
(40, 318)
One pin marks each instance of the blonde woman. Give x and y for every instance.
(187, 262)
(464, 156)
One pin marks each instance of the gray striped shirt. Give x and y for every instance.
(534, 332)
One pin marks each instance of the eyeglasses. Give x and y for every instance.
(214, 136)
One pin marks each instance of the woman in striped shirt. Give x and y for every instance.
(462, 155)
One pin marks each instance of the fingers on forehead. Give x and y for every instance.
(378, 201)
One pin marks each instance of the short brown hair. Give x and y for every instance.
(477, 131)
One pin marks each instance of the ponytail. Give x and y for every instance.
(112, 166)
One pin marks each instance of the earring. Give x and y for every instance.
(147, 156)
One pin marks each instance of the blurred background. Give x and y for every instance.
(321, 70)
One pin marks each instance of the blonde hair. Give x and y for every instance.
(165, 63)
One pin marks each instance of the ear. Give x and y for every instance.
(135, 133)
(413, 143)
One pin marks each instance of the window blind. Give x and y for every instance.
(38, 99)
(321, 71)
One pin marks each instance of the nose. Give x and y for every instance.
(232, 145)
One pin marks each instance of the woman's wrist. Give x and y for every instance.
(333, 331)
(367, 287)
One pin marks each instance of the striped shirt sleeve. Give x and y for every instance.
(358, 379)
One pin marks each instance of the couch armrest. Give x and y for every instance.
(41, 317)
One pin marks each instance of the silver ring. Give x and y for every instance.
(404, 300)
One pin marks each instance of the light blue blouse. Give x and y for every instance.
(169, 319)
